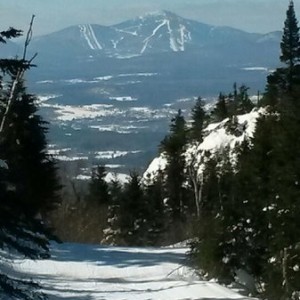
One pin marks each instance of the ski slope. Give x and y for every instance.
(92, 272)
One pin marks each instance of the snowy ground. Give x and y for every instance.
(90, 272)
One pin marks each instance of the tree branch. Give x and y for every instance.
(19, 76)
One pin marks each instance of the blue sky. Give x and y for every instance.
(51, 15)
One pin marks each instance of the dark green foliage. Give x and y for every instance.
(199, 120)
(112, 234)
(257, 218)
(9, 34)
(133, 217)
(29, 186)
(23, 145)
(173, 146)
(220, 111)
(241, 100)
(290, 46)
(98, 188)
(154, 200)
(235, 103)
(20, 289)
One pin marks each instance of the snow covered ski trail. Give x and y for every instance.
(92, 272)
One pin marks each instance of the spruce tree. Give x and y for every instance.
(112, 233)
(133, 212)
(173, 146)
(220, 112)
(198, 122)
(98, 192)
(290, 44)
(154, 201)
(29, 184)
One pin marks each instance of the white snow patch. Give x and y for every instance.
(118, 128)
(104, 78)
(75, 112)
(138, 74)
(123, 98)
(70, 158)
(78, 80)
(216, 138)
(93, 272)
(45, 82)
(58, 151)
(113, 166)
(44, 98)
(256, 69)
(89, 35)
(114, 154)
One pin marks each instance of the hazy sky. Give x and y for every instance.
(51, 15)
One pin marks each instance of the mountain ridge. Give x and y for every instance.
(154, 32)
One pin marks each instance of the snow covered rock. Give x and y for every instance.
(217, 137)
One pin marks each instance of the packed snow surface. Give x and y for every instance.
(93, 272)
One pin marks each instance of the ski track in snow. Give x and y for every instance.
(89, 35)
(93, 272)
(172, 40)
(147, 40)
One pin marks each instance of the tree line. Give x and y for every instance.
(242, 213)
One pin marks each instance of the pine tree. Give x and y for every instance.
(98, 188)
(198, 120)
(282, 89)
(243, 104)
(290, 44)
(29, 185)
(220, 112)
(154, 200)
(133, 212)
(112, 232)
(23, 144)
(173, 146)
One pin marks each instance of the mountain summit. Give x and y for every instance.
(152, 33)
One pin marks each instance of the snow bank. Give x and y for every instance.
(96, 272)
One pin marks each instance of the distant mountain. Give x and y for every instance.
(186, 59)
(149, 34)
(10, 49)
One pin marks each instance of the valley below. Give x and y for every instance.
(109, 93)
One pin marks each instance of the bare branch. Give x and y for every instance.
(28, 37)
(19, 76)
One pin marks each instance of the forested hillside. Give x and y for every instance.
(226, 178)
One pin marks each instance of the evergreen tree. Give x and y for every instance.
(173, 146)
(220, 112)
(154, 200)
(133, 212)
(23, 144)
(112, 233)
(243, 104)
(98, 188)
(290, 44)
(29, 185)
(282, 89)
(198, 120)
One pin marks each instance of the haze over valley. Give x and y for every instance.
(109, 92)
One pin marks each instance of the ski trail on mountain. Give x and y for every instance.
(89, 35)
(94, 272)
(147, 40)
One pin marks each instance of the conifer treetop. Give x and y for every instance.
(290, 43)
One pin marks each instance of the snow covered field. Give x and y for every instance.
(92, 272)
